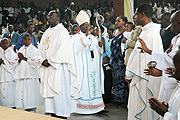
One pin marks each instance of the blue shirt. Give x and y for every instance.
(14, 37)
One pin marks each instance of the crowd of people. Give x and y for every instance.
(79, 59)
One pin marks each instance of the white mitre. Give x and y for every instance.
(82, 17)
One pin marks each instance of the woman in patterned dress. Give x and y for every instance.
(120, 86)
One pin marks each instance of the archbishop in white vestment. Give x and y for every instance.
(88, 61)
(142, 87)
(88, 76)
(58, 81)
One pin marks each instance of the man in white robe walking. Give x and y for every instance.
(58, 72)
(88, 62)
(142, 87)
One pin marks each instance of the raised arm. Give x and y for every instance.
(143, 46)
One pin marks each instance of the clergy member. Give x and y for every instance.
(87, 52)
(164, 60)
(142, 87)
(58, 73)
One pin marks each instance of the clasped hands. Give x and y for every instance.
(21, 57)
(160, 107)
(45, 63)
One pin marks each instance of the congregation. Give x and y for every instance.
(76, 60)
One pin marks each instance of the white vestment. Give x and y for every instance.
(174, 106)
(27, 93)
(7, 83)
(56, 47)
(164, 60)
(142, 87)
(89, 78)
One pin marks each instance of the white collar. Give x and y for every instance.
(147, 25)
(105, 64)
(11, 33)
(27, 46)
(52, 28)
(168, 27)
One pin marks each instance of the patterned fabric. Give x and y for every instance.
(120, 91)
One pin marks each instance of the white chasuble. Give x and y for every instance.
(56, 47)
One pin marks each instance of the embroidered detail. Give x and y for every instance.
(93, 76)
(46, 43)
(81, 106)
